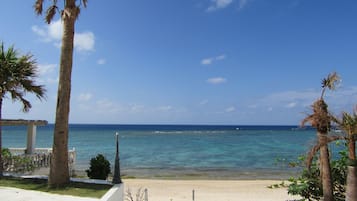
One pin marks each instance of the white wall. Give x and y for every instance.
(116, 193)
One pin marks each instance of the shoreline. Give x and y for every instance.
(193, 174)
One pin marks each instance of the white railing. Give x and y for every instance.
(42, 156)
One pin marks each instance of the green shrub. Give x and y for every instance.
(16, 163)
(6, 153)
(309, 185)
(99, 168)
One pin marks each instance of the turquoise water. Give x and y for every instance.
(164, 149)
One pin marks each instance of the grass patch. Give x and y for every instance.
(74, 188)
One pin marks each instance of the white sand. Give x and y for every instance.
(209, 190)
(174, 190)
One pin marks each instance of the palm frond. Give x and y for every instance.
(38, 7)
(320, 118)
(78, 11)
(331, 81)
(51, 12)
(17, 77)
(84, 3)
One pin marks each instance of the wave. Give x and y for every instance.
(192, 132)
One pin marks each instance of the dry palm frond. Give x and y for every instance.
(38, 7)
(330, 82)
(347, 122)
(77, 12)
(320, 118)
(85, 3)
(51, 12)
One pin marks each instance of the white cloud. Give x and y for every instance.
(210, 60)
(53, 33)
(84, 41)
(137, 108)
(53, 80)
(85, 97)
(40, 32)
(207, 61)
(220, 57)
(216, 80)
(165, 108)
(291, 105)
(218, 4)
(44, 69)
(106, 106)
(302, 100)
(230, 109)
(55, 30)
(101, 61)
(47, 73)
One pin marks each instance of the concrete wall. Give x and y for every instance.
(116, 193)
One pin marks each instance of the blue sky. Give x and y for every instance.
(192, 61)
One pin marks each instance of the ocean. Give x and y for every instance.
(182, 150)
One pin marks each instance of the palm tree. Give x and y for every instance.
(321, 120)
(17, 78)
(59, 173)
(348, 123)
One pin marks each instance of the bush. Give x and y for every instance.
(309, 185)
(99, 168)
(16, 163)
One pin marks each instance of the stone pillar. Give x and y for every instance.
(31, 138)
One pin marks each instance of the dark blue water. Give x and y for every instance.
(180, 148)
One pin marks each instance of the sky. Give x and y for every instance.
(223, 62)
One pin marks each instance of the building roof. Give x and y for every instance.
(22, 122)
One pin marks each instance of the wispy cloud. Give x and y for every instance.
(165, 108)
(47, 73)
(45, 69)
(210, 60)
(206, 61)
(216, 80)
(230, 109)
(107, 106)
(101, 61)
(85, 97)
(291, 105)
(218, 4)
(83, 42)
(242, 4)
(221, 4)
(302, 100)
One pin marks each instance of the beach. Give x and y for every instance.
(176, 190)
(209, 190)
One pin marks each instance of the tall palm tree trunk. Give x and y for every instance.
(59, 172)
(325, 169)
(1, 161)
(351, 189)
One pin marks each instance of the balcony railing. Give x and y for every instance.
(41, 158)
